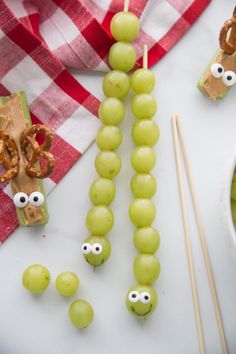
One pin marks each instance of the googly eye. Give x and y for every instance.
(133, 296)
(217, 70)
(96, 248)
(145, 297)
(21, 200)
(229, 78)
(36, 199)
(86, 248)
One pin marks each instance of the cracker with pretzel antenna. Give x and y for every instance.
(220, 74)
(20, 157)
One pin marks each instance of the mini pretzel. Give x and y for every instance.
(9, 157)
(33, 151)
(225, 45)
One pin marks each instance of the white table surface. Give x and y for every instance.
(40, 324)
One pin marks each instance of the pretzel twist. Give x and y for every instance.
(33, 151)
(9, 157)
(225, 45)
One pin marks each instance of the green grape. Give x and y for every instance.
(233, 189)
(102, 191)
(100, 220)
(146, 240)
(145, 132)
(141, 300)
(233, 209)
(142, 212)
(146, 268)
(108, 164)
(116, 84)
(111, 111)
(36, 278)
(96, 250)
(122, 56)
(144, 106)
(124, 26)
(109, 138)
(67, 283)
(81, 313)
(142, 81)
(143, 185)
(143, 159)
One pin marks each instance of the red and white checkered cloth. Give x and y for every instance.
(40, 38)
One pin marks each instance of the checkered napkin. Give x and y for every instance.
(40, 38)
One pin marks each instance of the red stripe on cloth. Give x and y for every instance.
(94, 33)
(66, 156)
(72, 87)
(99, 40)
(8, 218)
(195, 10)
(23, 38)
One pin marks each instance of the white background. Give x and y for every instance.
(40, 324)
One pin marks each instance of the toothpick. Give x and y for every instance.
(202, 237)
(126, 6)
(192, 276)
(94, 268)
(145, 56)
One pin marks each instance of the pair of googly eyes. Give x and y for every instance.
(96, 248)
(21, 200)
(228, 77)
(144, 297)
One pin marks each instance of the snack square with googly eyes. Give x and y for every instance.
(228, 77)
(21, 199)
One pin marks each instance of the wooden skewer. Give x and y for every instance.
(126, 6)
(201, 232)
(195, 297)
(145, 56)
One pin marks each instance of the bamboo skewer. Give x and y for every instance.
(126, 6)
(145, 56)
(202, 237)
(195, 297)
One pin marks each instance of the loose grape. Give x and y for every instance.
(108, 164)
(36, 278)
(142, 81)
(67, 283)
(146, 268)
(145, 132)
(142, 212)
(99, 220)
(125, 26)
(146, 240)
(109, 138)
(233, 209)
(143, 185)
(122, 56)
(102, 191)
(96, 250)
(116, 84)
(141, 300)
(81, 313)
(144, 106)
(111, 111)
(233, 190)
(143, 159)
